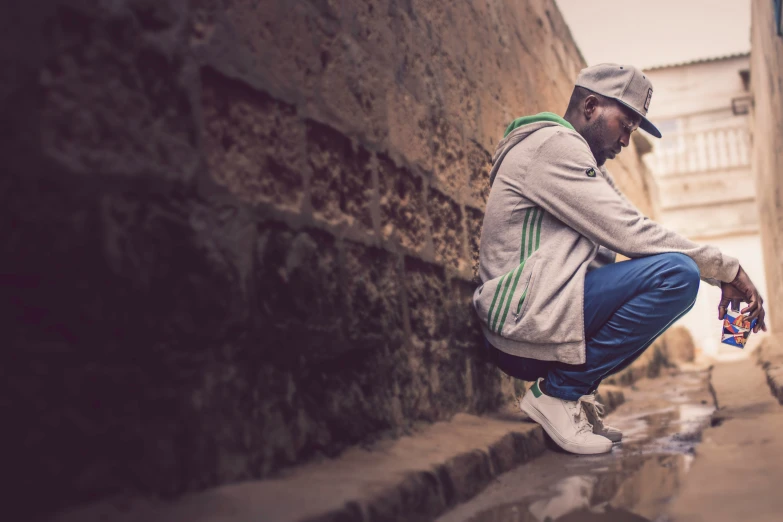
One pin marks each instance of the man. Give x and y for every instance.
(555, 308)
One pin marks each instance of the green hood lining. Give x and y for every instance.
(541, 116)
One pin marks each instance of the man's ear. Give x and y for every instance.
(590, 106)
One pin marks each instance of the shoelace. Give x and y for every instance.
(598, 409)
(580, 416)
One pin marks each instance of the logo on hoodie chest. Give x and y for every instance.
(590, 173)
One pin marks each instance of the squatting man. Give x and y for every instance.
(555, 308)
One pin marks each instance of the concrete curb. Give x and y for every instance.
(413, 478)
(426, 494)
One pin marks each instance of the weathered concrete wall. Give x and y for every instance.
(766, 69)
(241, 235)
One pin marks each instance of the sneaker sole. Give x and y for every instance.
(570, 447)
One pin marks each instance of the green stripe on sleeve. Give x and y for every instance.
(530, 239)
(520, 268)
(524, 233)
(502, 300)
(538, 228)
(538, 243)
(494, 299)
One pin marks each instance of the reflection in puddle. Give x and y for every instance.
(573, 493)
(638, 488)
(633, 483)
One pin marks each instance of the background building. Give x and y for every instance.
(702, 168)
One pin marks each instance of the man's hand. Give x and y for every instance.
(743, 289)
(731, 297)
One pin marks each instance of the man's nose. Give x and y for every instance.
(625, 139)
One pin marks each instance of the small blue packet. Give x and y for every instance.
(736, 329)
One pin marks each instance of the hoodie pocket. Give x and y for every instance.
(512, 299)
(520, 308)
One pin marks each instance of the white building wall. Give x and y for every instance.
(703, 174)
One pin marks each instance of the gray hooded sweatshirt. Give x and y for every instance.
(552, 213)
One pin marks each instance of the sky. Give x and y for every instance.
(657, 32)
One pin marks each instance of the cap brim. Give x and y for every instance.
(646, 125)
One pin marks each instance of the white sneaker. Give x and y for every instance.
(564, 421)
(594, 411)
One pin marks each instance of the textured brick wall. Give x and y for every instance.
(766, 62)
(241, 235)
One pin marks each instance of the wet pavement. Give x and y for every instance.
(662, 420)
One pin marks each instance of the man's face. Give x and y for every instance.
(610, 129)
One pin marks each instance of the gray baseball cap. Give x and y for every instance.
(624, 83)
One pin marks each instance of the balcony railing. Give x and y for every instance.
(714, 149)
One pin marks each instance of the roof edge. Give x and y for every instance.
(698, 61)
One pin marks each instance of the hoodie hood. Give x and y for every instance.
(518, 130)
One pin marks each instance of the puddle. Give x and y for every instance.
(661, 422)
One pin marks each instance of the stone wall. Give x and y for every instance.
(766, 69)
(242, 235)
